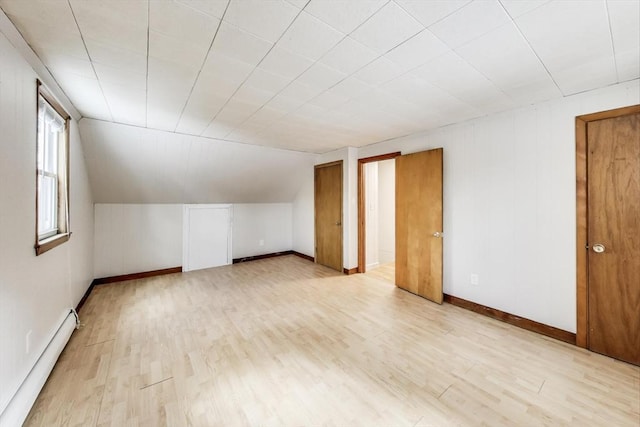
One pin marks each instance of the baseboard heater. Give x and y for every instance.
(20, 404)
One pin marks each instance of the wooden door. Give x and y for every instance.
(419, 224)
(328, 214)
(613, 159)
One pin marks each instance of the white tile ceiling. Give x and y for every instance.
(322, 74)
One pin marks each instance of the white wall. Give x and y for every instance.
(304, 216)
(261, 229)
(132, 238)
(36, 293)
(386, 211)
(372, 225)
(136, 238)
(509, 203)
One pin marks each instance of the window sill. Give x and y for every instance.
(51, 242)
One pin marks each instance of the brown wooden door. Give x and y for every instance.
(613, 156)
(328, 214)
(419, 224)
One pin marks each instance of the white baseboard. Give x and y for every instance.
(20, 404)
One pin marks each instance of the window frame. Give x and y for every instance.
(62, 209)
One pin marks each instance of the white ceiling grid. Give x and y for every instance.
(316, 75)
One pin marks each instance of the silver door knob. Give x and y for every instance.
(598, 248)
(437, 234)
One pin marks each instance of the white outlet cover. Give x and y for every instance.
(473, 279)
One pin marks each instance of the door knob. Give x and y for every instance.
(338, 223)
(437, 234)
(598, 248)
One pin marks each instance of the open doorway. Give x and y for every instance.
(417, 264)
(376, 216)
(380, 214)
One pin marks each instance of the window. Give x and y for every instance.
(52, 170)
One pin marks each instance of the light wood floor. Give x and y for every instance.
(283, 342)
(385, 272)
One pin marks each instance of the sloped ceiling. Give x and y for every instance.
(323, 74)
(128, 164)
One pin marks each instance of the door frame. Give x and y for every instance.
(315, 210)
(582, 217)
(362, 240)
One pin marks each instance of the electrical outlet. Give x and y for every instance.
(27, 342)
(261, 242)
(474, 280)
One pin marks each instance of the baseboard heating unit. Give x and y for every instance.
(15, 411)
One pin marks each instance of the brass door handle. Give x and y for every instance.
(437, 234)
(599, 248)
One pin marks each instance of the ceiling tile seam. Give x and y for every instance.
(353, 73)
(613, 46)
(455, 53)
(146, 82)
(605, 86)
(531, 47)
(281, 90)
(320, 59)
(77, 115)
(90, 60)
(285, 87)
(204, 61)
(439, 20)
(414, 68)
(379, 56)
(399, 98)
(394, 48)
(198, 11)
(190, 135)
(393, 138)
(314, 63)
(346, 77)
(451, 49)
(215, 116)
(359, 25)
(490, 80)
(294, 5)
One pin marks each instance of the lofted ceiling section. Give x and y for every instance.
(128, 164)
(323, 74)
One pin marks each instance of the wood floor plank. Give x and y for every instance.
(285, 342)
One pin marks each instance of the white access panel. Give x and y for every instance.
(207, 236)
